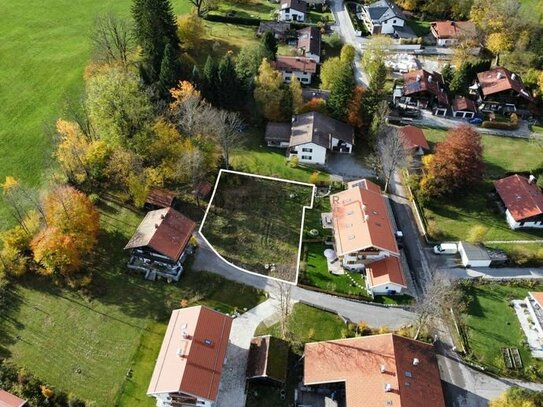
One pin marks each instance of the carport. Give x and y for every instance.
(473, 256)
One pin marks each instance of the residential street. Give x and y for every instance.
(205, 259)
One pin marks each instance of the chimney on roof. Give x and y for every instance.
(418, 78)
(366, 217)
(185, 335)
(382, 369)
(513, 76)
(179, 353)
(162, 216)
(452, 23)
(156, 225)
(531, 179)
(499, 76)
(430, 78)
(415, 362)
(388, 387)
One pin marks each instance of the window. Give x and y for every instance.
(307, 150)
(408, 374)
(305, 80)
(393, 21)
(306, 157)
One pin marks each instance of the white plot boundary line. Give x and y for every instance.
(305, 207)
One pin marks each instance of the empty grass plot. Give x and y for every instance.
(255, 222)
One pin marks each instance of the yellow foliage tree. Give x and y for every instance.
(71, 151)
(268, 92)
(296, 92)
(56, 252)
(190, 30)
(499, 42)
(47, 392)
(184, 91)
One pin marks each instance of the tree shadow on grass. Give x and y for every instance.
(9, 324)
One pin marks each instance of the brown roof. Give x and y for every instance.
(309, 39)
(9, 400)
(413, 137)
(203, 189)
(298, 5)
(277, 132)
(372, 364)
(385, 271)
(361, 219)
(160, 197)
(268, 357)
(453, 29)
(424, 81)
(501, 79)
(537, 296)
(192, 354)
(301, 64)
(523, 200)
(463, 103)
(317, 128)
(165, 231)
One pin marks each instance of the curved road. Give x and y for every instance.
(375, 316)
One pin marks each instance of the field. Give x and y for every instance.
(532, 9)
(492, 324)
(44, 49)
(85, 342)
(255, 223)
(453, 220)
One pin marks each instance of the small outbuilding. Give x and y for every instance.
(159, 198)
(268, 359)
(473, 256)
(10, 400)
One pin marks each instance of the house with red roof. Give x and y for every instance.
(160, 244)
(364, 238)
(189, 366)
(414, 140)
(463, 107)
(301, 67)
(9, 400)
(375, 371)
(423, 90)
(500, 90)
(450, 33)
(523, 201)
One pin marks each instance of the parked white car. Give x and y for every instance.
(446, 248)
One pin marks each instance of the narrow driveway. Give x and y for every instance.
(232, 387)
(205, 259)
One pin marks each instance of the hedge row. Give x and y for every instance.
(233, 20)
(499, 125)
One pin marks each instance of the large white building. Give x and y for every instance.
(383, 17)
(301, 67)
(292, 10)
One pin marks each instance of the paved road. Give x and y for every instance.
(205, 259)
(232, 387)
(489, 273)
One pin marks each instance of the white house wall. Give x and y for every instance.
(317, 155)
(289, 14)
(513, 224)
(303, 77)
(384, 289)
(387, 27)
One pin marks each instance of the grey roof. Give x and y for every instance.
(277, 28)
(314, 127)
(384, 10)
(404, 32)
(309, 39)
(277, 131)
(298, 5)
(474, 252)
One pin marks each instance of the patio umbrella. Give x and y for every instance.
(330, 254)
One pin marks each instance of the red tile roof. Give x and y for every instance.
(192, 354)
(523, 200)
(537, 296)
(9, 400)
(413, 137)
(368, 364)
(165, 231)
(453, 29)
(424, 81)
(385, 271)
(361, 220)
(203, 189)
(463, 103)
(160, 197)
(301, 64)
(501, 79)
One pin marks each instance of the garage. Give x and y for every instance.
(473, 256)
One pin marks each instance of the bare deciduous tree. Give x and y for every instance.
(112, 39)
(441, 295)
(228, 128)
(390, 154)
(285, 306)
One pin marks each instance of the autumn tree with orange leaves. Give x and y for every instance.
(354, 109)
(456, 165)
(70, 231)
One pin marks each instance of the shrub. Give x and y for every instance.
(540, 181)
(477, 233)
(233, 20)
(293, 162)
(499, 125)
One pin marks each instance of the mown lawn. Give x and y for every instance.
(532, 9)
(85, 342)
(261, 9)
(254, 157)
(454, 219)
(492, 324)
(317, 274)
(308, 324)
(44, 48)
(255, 223)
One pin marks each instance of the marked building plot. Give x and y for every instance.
(256, 223)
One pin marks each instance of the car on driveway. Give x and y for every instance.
(475, 120)
(446, 248)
